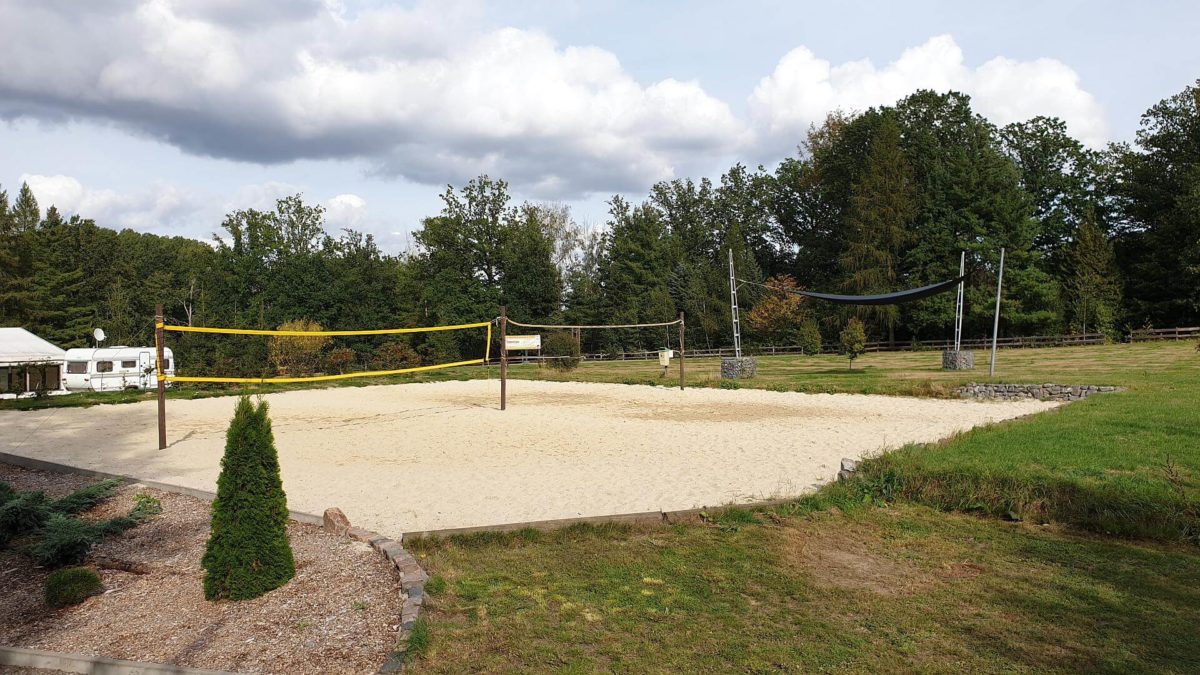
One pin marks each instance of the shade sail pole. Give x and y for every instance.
(958, 303)
(996, 323)
(737, 328)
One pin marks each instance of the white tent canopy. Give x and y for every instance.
(18, 345)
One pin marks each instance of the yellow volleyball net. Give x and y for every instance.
(316, 341)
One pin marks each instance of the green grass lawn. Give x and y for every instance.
(867, 589)
(905, 373)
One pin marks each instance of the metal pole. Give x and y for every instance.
(504, 357)
(996, 324)
(737, 328)
(681, 376)
(958, 307)
(162, 385)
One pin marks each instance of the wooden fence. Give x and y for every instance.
(1149, 334)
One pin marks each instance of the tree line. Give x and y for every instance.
(1097, 240)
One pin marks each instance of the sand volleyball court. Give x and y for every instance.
(417, 457)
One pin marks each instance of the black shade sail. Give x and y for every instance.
(887, 298)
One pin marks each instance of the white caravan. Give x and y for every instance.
(113, 368)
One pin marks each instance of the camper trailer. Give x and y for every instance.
(113, 368)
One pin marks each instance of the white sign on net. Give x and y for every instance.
(522, 342)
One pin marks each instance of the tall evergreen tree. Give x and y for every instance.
(1092, 292)
(882, 206)
(25, 212)
(1160, 250)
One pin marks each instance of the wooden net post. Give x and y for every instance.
(504, 357)
(681, 374)
(159, 373)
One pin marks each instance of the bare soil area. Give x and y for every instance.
(417, 457)
(340, 614)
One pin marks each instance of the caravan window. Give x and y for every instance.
(129, 364)
(166, 364)
(77, 367)
(104, 366)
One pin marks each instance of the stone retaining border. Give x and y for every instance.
(412, 577)
(1042, 392)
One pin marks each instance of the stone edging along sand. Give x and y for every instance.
(1042, 392)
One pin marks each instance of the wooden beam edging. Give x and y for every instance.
(641, 518)
(94, 665)
(55, 467)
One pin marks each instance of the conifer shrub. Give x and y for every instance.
(71, 586)
(23, 513)
(65, 540)
(248, 552)
(85, 498)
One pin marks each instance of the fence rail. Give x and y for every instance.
(1148, 334)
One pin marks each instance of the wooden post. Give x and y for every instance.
(162, 385)
(681, 375)
(504, 357)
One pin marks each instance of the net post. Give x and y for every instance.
(162, 385)
(681, 373)
(503, 357)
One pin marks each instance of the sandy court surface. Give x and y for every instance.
(416, 457)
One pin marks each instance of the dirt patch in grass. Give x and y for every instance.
(851, 557)
(339, 614)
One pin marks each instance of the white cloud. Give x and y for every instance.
(345, 211)
(429, 94)
(803, 88)
(419, 93)
(260, 196)
(162, 207)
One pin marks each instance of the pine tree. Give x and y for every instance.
(14, 285)
(882, 205)
(25, 211)
(248, 553)
(1092, 291)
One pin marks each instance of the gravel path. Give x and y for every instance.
(415, 457)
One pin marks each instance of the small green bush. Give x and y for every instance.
(853, 339)
(71, 586)
(7, 494)
(22, 514)
(561, 351)
(810, 338)
(248, 552)
(395, 355)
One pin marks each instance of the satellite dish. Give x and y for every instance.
(99, 335)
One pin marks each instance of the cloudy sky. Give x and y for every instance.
(162, 115)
